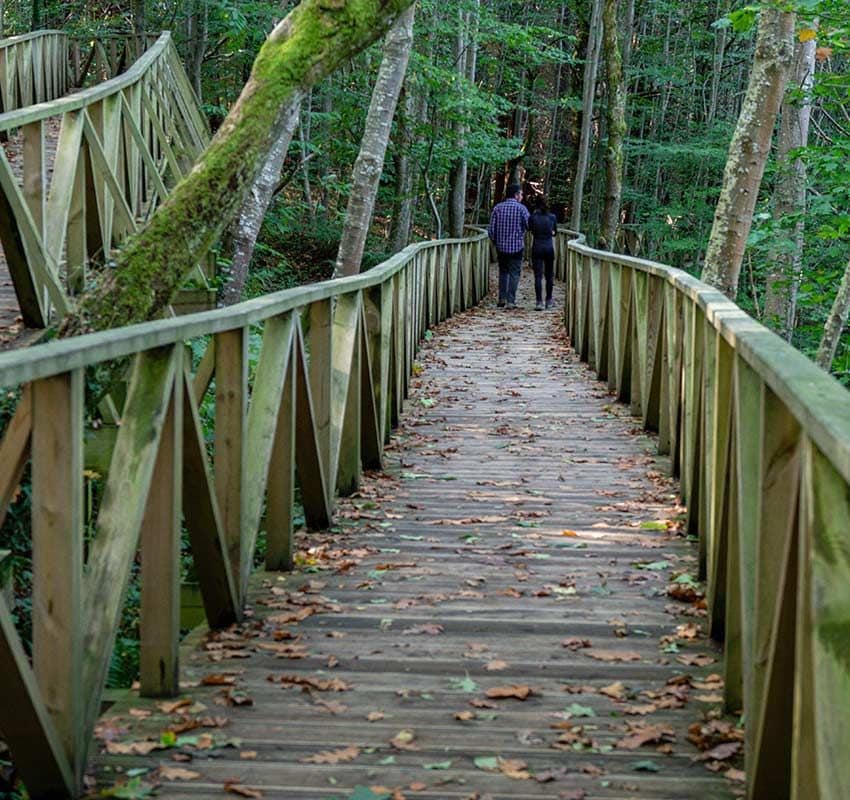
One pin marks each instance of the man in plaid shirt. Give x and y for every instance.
(508, 224)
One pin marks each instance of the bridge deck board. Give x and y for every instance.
(503, 422)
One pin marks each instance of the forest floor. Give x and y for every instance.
(509, 610)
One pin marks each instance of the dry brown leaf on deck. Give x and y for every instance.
(517, 691)
(175, 705)
(248, 755)
(141, 748)
(479, 703)
(243, 791)
(167, 773)
(140, 713)
(418, 786)
(427, 628)
(330, 706)
(695, 659)
(464, 716)
(575, 643)
(374, 716)
(330, 685)
(219, 679)
(284, 650)
(483, 520)
(616, 691)
(646, 734)
(333, 756)
(514, 768)
(496, 665)
(647, 708)
(613, 655)
(720, 752)
(403, 740)
(736, 775)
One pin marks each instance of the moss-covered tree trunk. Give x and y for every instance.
(313, 40)
(616, 119)
(749, 150)
(373, 147)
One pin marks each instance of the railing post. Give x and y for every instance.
(320, 346)
(231, 406)
(57, 563)
(160, 542)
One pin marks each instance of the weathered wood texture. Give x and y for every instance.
(518, 510)
(761, 439)
(158, 468)
(92, 167)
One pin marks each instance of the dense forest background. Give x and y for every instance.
(498, 90)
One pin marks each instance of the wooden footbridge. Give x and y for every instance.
(438, 545)
(83, 166)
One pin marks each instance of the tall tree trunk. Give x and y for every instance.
(749, 150)
(197, 33)
(36, 15)
(466, 58)
(313, 40)
(591, 65)
(780, 300)
(373, 147)
(616, 122)
(139, 19)
(246, 227)
(402, 215)
(835, 323)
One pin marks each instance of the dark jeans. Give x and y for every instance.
(510, 265)
(543, 261)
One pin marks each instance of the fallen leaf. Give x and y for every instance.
(175, 705)
(516, 691)
(374, 716)
(222, 679)
(613, 655)
(177, 774)
(641, 734)
(495, 665)
(736, 775)
(695, 659)
(321, 685)
(428, 628)
(333, 756)
(616, 691)
(720, 752)
(243, 791)
(403, 740)
(514, 768)
(141, 748)
(248, 755)
(464, 716)
(575, 643)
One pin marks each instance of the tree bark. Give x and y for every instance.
(197, 32)
(139, 19)
(402, 215)
(246, 227)
(373, 147)
(835, 323)
(591, 65)
(616, 123)
(313, 40)
(780, 299)
(749, 150)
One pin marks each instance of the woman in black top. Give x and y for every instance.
(542, 225)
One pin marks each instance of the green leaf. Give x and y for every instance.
(168, 738)
(577, 710)
(365, 793)
(385, 762)
(654, 565)
(131, 790)
(486, 762)
(464, 684)
(438, 765)
(654, 525)
(645, 766)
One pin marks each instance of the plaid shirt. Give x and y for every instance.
(508, 224)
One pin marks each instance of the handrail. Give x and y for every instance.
(332, 376)
(26, 37)
(122, 146)
(87, 97)
(760, 437)
(33, 68)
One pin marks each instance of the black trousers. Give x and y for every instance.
(543, 261)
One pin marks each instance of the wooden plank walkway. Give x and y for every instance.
(514, 541)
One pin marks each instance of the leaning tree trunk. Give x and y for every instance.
(313, 40)
(591, 65)
(780, 298)
(749, 150)
(373, 147)
(616, 123)
(246, 227)
(835, 323)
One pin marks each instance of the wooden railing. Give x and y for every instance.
(331, 377)
(760, 438)
(33, 69)
(122, 145)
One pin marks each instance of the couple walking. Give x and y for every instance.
(508, 223)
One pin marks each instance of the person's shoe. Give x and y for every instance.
(500, 304)
(549, 303)
(538, 307)
(511, 306)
